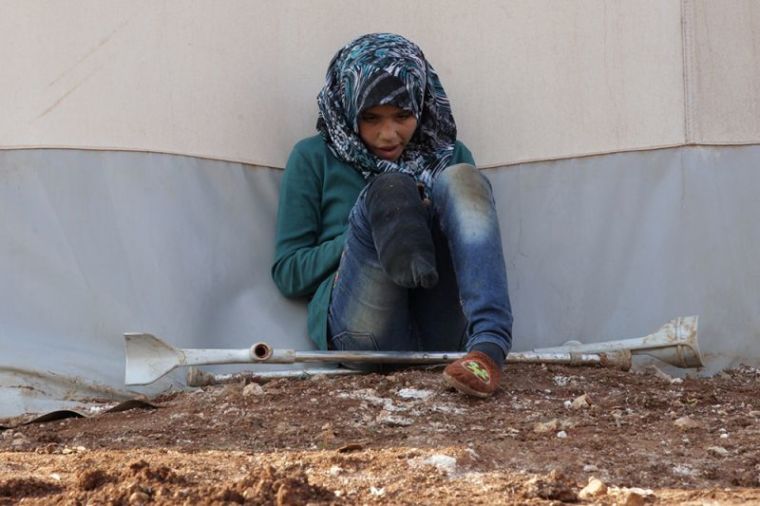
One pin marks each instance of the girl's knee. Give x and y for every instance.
(387, 182)
(463, 181)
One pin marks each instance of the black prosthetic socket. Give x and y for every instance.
(400, 231)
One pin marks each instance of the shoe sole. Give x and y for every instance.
(452, 382)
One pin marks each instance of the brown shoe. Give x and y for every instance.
(474, 374)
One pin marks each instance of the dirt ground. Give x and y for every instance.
(404, 438)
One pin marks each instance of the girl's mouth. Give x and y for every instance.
(388, 152)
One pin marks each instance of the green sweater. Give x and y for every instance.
(317, 193)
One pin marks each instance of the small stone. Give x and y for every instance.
(633, 496)
(630, 498)
(139, 498)
(252, 389)
(562, 434)
(646, 492)
(386, 418)
(754, 413)
(442, 462)
(413, 393)
(378, 492)
(687, 423)
(595, 487)
(719, 451)
(549, 426)
(580, 402)
(19, 440)
(724, 436)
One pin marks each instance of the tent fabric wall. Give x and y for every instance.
(723, 65)
(95, 244)
(614, 246)
(141, 224)
(529, 80)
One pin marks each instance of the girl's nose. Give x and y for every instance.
(388, 131)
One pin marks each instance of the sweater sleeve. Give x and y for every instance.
(462, 154)
(301, 262)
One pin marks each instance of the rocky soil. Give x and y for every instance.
(551, 435)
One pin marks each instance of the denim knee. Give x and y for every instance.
(463, 195)
(462, 181)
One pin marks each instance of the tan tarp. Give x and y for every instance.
(723, 65)
(529, 80)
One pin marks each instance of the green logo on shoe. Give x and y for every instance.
(478, 370)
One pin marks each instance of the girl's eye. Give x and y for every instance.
(368, 118)
(404, 115)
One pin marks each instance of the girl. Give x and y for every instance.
(387, 226)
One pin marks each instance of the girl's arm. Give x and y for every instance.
(301, 263)
(462, 154)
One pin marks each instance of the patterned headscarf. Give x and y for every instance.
(379, 69)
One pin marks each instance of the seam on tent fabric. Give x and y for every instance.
(255, 165)
(139, 150)
(631, 150)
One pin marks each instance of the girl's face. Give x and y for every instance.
(386, 130)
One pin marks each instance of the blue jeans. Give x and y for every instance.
(468, 306)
